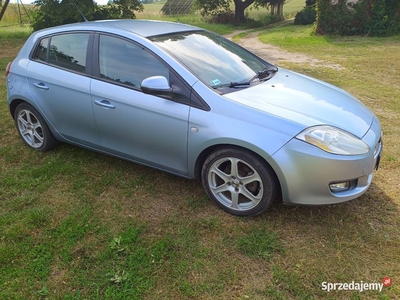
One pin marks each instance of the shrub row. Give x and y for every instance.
(365, 17)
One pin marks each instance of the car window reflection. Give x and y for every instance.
(69, 51)
(124, 62)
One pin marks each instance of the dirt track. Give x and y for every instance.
(276, 55)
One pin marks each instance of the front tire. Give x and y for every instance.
(239, 182)
(33, 129)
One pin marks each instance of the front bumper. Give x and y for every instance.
(306, 172)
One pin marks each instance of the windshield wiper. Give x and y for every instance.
(264, 74)
(261, 75)
(230, 84)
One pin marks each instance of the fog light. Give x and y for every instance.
(337, 187)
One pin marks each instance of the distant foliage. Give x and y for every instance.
(58, 12)
(366, 17)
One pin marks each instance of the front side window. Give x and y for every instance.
(126, 63)
(66, 51)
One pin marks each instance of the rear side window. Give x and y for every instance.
(67, 51)
(126, 63)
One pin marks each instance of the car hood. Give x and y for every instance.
(308, 101)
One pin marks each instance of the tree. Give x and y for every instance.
(127, 8)
(3, 8)
(393, 13)
(240, 6)
(215, 7)
(68, 11)
(275, 6)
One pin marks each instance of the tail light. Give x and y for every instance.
(8, 68)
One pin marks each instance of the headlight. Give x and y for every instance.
(333, 140)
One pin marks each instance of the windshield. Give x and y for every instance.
(213, 59)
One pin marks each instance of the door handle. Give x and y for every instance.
(104, 103)
(41, 86)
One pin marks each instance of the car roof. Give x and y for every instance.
(145, 28)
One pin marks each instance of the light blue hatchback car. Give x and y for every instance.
(190, 102)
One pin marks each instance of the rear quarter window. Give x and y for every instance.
(41, 50)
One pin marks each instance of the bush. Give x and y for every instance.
(306, 16)
(366, 17)
(393, 9)
(311, 3)
(222, 17)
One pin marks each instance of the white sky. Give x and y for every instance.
(30, 1)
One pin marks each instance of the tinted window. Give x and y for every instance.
(69, 51)
(41, 50)
(127, 63)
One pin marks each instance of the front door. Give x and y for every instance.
(134, 125)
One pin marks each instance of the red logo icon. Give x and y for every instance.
(387, 281)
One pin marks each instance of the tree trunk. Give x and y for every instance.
(280, 10)
(240, 6)
(3, 9)
(272, 8)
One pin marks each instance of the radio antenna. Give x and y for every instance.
(83, 16)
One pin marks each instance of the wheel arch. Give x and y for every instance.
(207, 151)
(14, 104)
(17, 101)
(33, 130)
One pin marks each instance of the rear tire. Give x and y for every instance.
(239, 182)
(33, 129)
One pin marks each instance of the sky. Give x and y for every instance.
(30, 1)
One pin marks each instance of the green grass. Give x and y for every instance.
(75, 224)
(344, 251)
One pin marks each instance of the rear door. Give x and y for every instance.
(59, 81)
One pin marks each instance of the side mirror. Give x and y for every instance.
(156, 85)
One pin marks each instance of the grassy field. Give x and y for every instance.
(75, 224)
